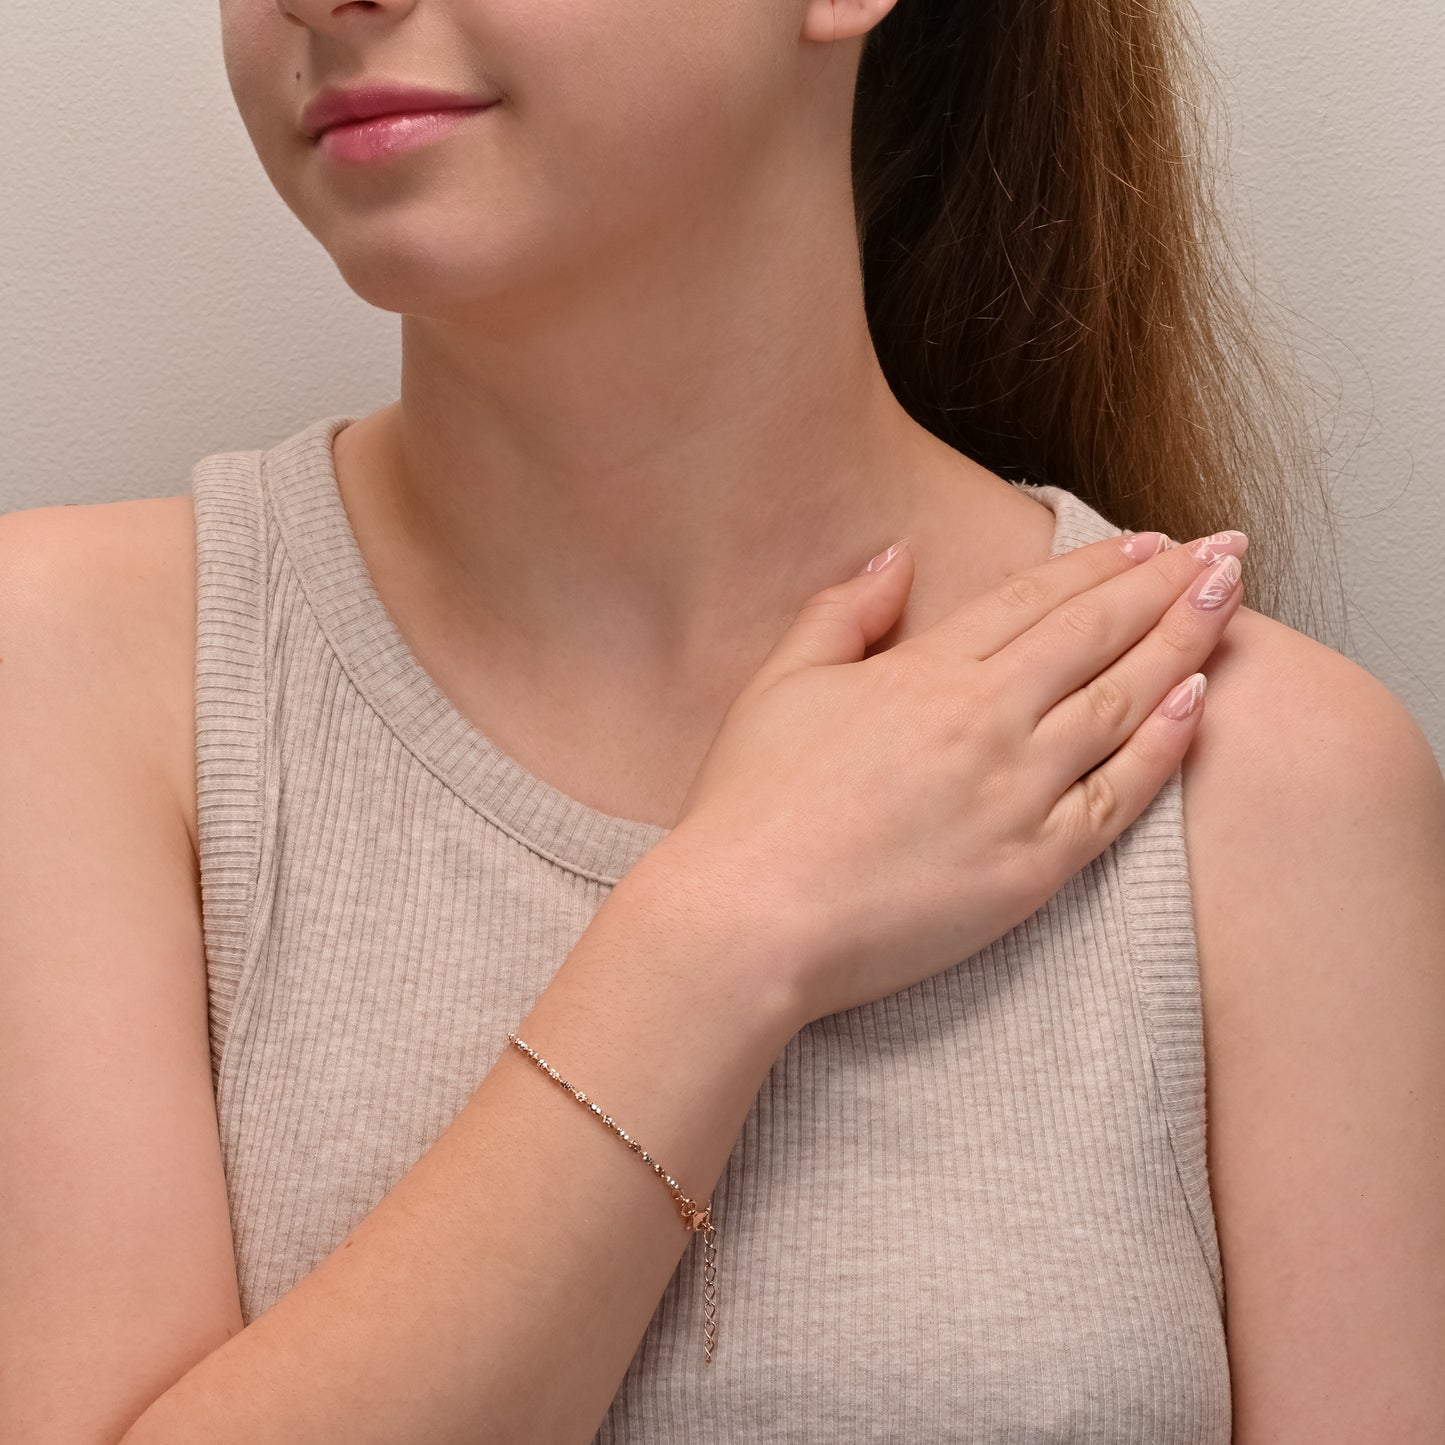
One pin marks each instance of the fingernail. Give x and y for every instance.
(878, 563)
(1183, 699)
(1140, 546)
(1214, 587)
(1215, 546)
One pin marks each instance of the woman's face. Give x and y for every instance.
(621, 125)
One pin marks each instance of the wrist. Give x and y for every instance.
(750, 947)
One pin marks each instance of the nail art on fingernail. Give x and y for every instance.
(1218, 545)
(1183, 699)
(1140, 546)
(1215, 587)
(878, 563)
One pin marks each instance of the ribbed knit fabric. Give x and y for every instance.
(976, 1210)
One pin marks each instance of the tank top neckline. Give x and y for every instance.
(298, 479)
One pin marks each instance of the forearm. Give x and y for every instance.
(501, 1288)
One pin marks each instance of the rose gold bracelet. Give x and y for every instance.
(695, 1218)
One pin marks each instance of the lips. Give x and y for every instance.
(382, 137)
(333, 107)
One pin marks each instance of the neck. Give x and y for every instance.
(659, 463)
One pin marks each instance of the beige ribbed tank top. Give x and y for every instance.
(976, 1210)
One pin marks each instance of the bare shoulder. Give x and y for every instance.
(112, 586)
(1315, 824)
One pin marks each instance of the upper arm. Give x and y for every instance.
(116, 1264)
(1317, 833)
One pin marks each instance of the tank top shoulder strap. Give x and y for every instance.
(232, 566)
(1153, 872)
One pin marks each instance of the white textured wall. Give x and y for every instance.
(1337, 114)
(160, 303)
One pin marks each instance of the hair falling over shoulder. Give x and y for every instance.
(1054, 290)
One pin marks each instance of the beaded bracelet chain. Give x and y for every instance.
(695, 1218)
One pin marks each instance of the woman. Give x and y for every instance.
(553, 659)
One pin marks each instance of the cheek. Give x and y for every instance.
(625, 109)
(262, 67)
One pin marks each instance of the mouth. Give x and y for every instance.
(355, 127)
(378, 137)
(334, 108)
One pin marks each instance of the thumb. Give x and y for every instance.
(840, 623)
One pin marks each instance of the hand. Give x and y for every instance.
(904, 810)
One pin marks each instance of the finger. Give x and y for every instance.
(981, 626)
(1093, 811)
(1086, 633)
(1101, 716)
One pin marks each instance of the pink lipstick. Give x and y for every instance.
(381, 136)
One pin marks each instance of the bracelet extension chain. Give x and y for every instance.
(697, 1218)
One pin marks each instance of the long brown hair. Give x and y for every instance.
(1053, 290)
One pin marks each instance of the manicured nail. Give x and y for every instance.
(1216, 545)
(878, 563)
(1183, 699)
(1214, 587)
(1140, 546)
